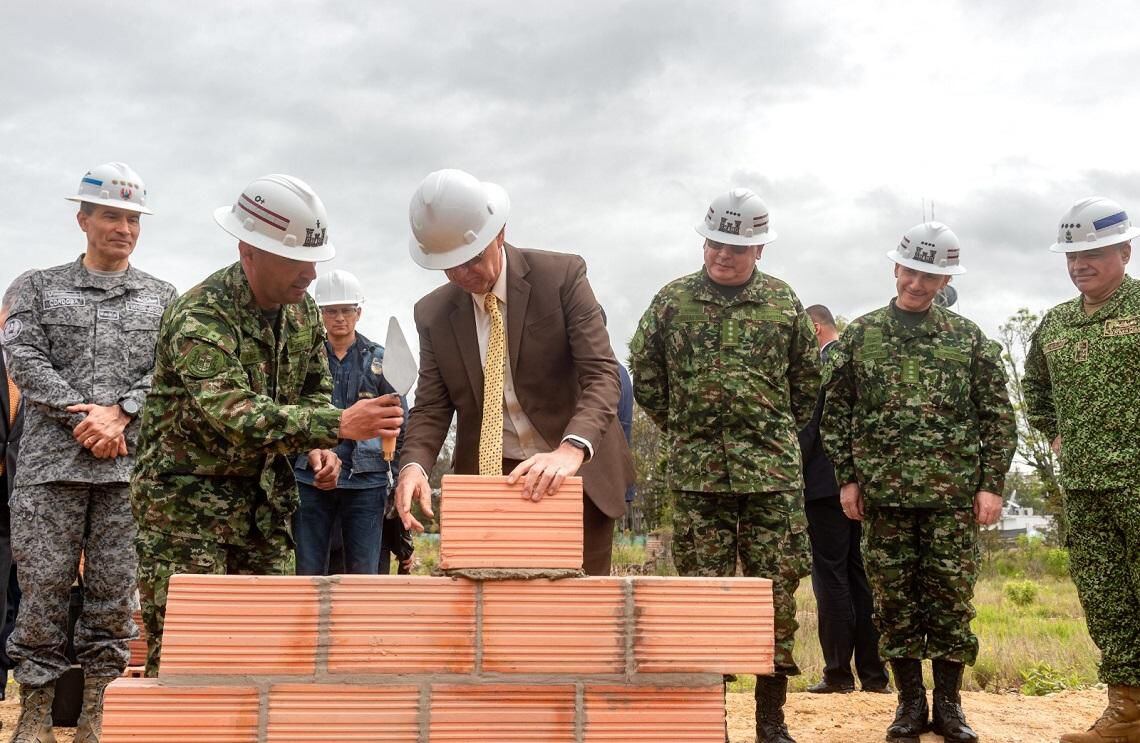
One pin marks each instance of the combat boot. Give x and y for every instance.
(912, 716)
(1120, 722)
(949, 719)
(90, 725)
(771, 694)
(34, 725)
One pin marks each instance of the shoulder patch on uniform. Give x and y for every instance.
(204, 361)
(1122, 326)
(11, 330)
(1056, 345)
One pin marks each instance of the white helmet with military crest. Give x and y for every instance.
(738, 217)
(282, 215)
(1095, 222)
(113, 184)
(930, 247)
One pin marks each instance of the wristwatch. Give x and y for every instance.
(129, 407)
(578, 444)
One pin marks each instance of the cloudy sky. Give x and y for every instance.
(612, 125)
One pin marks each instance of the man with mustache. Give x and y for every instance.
(725, 363)
(1080, 388)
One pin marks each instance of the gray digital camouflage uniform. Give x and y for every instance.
(1080, 384)
(920, 417)
(730, 382)
(234, 399)
(76, 337)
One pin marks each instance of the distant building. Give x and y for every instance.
(1017, 520)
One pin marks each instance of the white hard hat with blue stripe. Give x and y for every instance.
(115, 185)
(1095, 222)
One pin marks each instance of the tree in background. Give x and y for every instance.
(652, 508)
(1032, 448)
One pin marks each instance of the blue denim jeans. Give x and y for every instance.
(361, 513)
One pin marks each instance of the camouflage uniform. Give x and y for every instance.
(920, 418)
(730, 381)
(1080, 385)
(76, 337)
(233, 399)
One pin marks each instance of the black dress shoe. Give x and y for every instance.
(826, 687)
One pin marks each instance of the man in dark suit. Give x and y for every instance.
(531, 320)
(842, 594)
(11, 424)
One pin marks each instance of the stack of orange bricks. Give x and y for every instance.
(257, 659)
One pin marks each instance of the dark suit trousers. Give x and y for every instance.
(597, 532)
(843, 596)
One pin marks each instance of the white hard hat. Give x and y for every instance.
(282, 215)
(113, 184)
(930, 247)
(738, 217)
(1094, 222)
(454, 217)
(338, 287)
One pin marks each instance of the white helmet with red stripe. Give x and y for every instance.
(738, 217)
(282, 215)
(930, 247)
(1095, 222)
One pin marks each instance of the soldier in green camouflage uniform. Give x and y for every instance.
(241, 384)
(724, 361)
(1081, 392)
(918, 423)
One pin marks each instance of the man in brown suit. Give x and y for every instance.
(534, 315)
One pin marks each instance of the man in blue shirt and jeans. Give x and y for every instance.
(357, 503)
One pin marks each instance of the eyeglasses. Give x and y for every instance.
(470, 264)
(717, 247)
(339, 311)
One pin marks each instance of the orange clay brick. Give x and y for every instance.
(563, 626)
(137, 646)
(402, 624)
(240, 625)
(703, 625)
(646, 714)
(500, 713)
(485, 523)
(144, 711)
(339, 713)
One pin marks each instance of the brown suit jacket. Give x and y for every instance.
(564, 370)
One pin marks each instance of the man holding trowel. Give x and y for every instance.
(356, 505)
(241, 385)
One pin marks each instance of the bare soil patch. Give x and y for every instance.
(863, 718)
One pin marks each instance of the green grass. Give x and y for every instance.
(1036, 648)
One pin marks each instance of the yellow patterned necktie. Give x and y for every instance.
(491, 432)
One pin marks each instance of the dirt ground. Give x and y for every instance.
(863, 718)
(857, 718)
